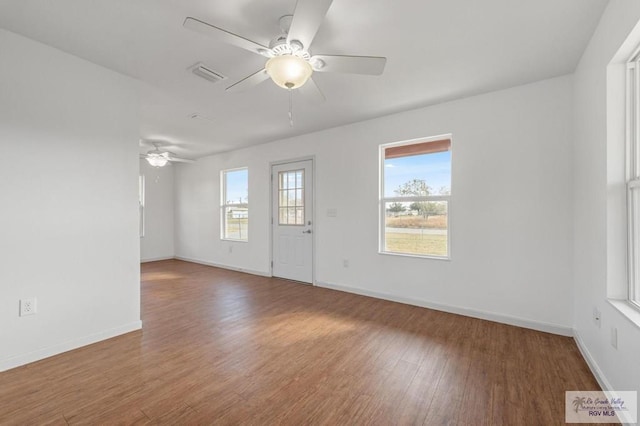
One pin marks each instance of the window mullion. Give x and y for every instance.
(414, 198)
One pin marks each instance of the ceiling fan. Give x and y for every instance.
(290, 62)
(159, 158)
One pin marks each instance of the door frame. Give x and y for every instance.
(272, 219)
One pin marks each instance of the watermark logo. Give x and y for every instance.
(601, 407)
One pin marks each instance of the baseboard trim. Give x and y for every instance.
(605, 384)
(156, 259)
(591, 362)
(223, 266)
(489, 316)
(19, 360)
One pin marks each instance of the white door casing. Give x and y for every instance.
(292, 220)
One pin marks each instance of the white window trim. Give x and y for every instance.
(382, 200)
(224, 205)
(632, 169)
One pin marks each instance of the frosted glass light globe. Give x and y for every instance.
(288, 71)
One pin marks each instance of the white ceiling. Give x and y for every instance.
(437, 50)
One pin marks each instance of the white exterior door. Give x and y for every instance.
(292, 218)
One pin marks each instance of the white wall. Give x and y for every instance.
(510, 209)
(68, 174)
(599, 239)
(157, 242)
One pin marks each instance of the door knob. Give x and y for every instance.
(308, 231)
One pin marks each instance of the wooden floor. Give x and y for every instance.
(222, 347)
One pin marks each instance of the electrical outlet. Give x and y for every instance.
(345, 263)
(230, 249)
(27, 307)
(596, 317)
(614, 337)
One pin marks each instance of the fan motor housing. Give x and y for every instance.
(278, 41)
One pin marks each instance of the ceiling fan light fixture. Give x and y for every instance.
(289, 71)
(157, 160)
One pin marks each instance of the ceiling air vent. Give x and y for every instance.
(201, 70)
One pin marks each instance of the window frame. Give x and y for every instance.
(224, 205)
(632, 178)
(383, 200)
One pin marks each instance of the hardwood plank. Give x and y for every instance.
(223, 347)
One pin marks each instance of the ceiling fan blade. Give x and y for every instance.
(180, 160)
(311, 91)
(247, 82)
(371, 65)
(307, 18)
(224, 36)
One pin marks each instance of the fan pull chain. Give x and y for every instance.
(291, 107)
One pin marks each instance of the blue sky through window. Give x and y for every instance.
(434, 169)
(237, 186)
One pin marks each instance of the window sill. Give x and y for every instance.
(418, 256)
(628, 311)
(235, 241)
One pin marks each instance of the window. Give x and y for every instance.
(235, 204)
(633, 178)
(414, 200)
(141, 204)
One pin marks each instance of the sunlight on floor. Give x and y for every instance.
(159, 276)
(297, 327)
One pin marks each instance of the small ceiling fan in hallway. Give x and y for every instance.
(160, 158)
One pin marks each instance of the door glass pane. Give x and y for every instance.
(290, 199)
(282, 216)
